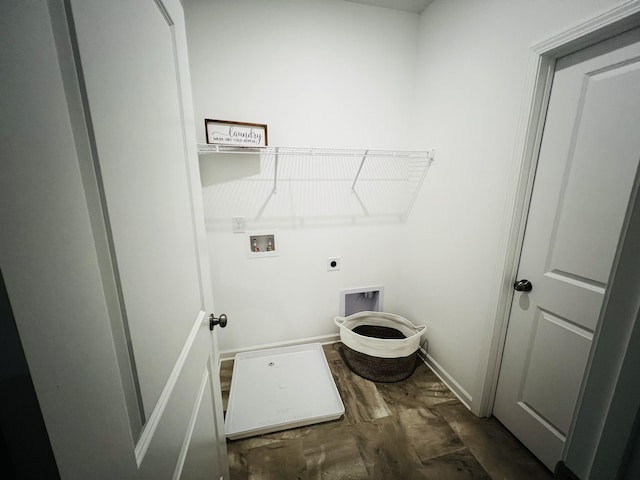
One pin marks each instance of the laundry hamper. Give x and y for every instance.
(381, 347)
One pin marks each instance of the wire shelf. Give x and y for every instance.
(317, 182)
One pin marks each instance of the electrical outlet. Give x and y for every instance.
(238, 224)
(333, 264)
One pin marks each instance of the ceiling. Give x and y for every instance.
(414, 6)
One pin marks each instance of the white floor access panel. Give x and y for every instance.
(281, 388)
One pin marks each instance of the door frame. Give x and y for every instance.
(541, 69)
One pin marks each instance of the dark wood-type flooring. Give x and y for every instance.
(414, 429)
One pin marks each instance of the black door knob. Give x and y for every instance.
(213, 321)
(523, 285)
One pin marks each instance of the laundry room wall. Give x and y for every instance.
(319, 73)
(471, 77)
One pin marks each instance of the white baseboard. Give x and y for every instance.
(441, 373)
(447, 379)
(230, 354)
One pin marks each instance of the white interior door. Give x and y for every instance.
(104, 238)
(587, 164)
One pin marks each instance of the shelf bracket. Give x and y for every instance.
(275, 172)
(355, 180)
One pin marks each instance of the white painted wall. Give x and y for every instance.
(320, 73)
(338, 74)
(471, 76)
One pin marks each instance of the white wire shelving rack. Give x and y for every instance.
(330, 182)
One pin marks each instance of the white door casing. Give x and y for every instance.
(587, 163)
(103, 238)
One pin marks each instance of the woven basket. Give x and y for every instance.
(380, 347)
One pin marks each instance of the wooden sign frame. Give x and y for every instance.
(235, 134)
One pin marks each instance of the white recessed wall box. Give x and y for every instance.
(261, 244)
(361, 299)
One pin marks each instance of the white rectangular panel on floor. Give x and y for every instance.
(281, 388)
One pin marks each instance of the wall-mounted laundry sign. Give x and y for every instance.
(235, 134)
